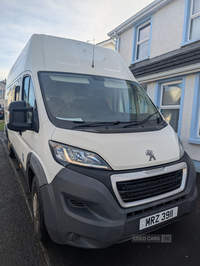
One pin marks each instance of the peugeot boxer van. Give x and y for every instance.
(101, 162)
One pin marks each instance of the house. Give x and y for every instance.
(161, 45)
(110, 43)
(2, 92)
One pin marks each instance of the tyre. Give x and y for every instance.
(6, 132)
(37, 212)
(10, 150)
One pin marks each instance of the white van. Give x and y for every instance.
(101, 162)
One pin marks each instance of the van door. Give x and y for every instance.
(13, 95)
(28, 137)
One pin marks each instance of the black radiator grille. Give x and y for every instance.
(134, 190)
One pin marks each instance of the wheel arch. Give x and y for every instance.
(34, 168)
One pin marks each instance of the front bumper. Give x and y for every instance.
(83, 211)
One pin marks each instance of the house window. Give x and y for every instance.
(0, 94)
(142, 41)
(170, 102)
(191, 27)
(194, 31)
(143, 34)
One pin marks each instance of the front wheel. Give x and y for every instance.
(37, 212)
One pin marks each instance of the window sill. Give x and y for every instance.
(190, 41)
(139, 60)
(194, 141)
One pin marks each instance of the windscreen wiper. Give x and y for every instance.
(96, 124)
(141, 122)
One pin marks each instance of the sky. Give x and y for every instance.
(82, 20)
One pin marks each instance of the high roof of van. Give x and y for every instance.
(49, 53)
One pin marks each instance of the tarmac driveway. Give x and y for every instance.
(18, 245)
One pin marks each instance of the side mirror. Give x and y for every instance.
(19, 116)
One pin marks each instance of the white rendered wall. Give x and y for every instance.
(126, 45)
(151, 87)
(166, 32)
(167, 28)
(108, 45)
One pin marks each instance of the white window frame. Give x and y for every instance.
(142, 41)
(168, 107)
(191, 18)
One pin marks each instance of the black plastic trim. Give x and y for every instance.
(35, 165)
(100, 221)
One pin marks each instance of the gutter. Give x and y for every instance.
(186, 70)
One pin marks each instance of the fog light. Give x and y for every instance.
(74, 237)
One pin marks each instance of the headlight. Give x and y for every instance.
(65, 154)
(180, 147)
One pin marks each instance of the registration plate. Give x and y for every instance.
(158, 218)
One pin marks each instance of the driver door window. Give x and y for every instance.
(28, 95)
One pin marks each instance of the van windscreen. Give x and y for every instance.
(95, 99)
